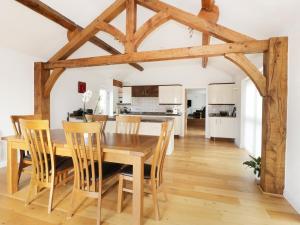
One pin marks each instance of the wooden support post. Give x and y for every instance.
(41, 103)
(274, 117)
(131, 10)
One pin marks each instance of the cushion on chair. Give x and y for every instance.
(108, 169)
(127, 171)
(63, 163)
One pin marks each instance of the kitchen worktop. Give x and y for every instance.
(151, 114)
(146, 119)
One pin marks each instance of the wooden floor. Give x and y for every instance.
(207, 185)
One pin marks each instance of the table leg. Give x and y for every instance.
(138, 191)
(12, 169)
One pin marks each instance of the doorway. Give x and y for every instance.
(196, 111)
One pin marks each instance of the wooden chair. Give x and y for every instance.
(46, 167)
(25, 158)
(128, 124)
(97, 118)
(153, 174)
(91, 173)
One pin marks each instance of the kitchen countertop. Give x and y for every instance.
(144, 119)
(151, 114)
(223, 116)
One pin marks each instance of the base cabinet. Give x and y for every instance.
(223, 127)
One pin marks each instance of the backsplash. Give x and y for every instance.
(149, 105)
(218, 108)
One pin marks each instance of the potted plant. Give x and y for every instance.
(255, 164)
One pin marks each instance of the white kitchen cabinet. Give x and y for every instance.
(221, 94)
(223, 127)
(170, 94)
(126, 95)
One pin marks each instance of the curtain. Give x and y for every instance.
(252, 119)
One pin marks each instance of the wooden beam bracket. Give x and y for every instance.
(250, 69)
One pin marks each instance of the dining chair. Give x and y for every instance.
(25, 158)
(97, 118)
(128, 124)
(47, 168)
(91, 173)
(153, 173)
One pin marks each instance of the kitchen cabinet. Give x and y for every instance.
(126, 95)
(223, 127)
(221, 94)
(145, 91)
(170, 95)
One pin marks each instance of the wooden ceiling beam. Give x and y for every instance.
(210, 12)
(193, 21)
(149, 26)
(131, 19)
(162, 55)
(89, 32)
(65, 22)
(113, 31)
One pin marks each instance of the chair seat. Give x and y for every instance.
(108, 169)
(27, 157)
(128, 171)
(63, 163)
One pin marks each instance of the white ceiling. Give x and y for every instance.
(28, 32)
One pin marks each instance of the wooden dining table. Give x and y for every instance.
(120, 148)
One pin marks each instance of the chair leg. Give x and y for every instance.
(33, 190)
(51, 198)
(120, 194)
(155, 201)
(21, 165)
(72, 207)
(99, 205)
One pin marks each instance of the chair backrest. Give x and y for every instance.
(128, 124)
(161, 150)
(15, 119)
(97, 118)
(85, 141)
(37, 137)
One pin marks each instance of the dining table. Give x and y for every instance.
(119, 148)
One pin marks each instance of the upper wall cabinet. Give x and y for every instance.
(170, 95)
(221, 94)
(145, 91)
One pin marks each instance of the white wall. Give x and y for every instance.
(190, 74)
(292, 181)
(16, 92)
(65, 98)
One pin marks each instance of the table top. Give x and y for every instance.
(139, 145)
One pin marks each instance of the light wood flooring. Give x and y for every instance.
(206, 184)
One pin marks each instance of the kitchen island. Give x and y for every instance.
(179, 122)
(149, 126)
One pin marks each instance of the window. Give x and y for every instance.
(104, 103)
(251, 118)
